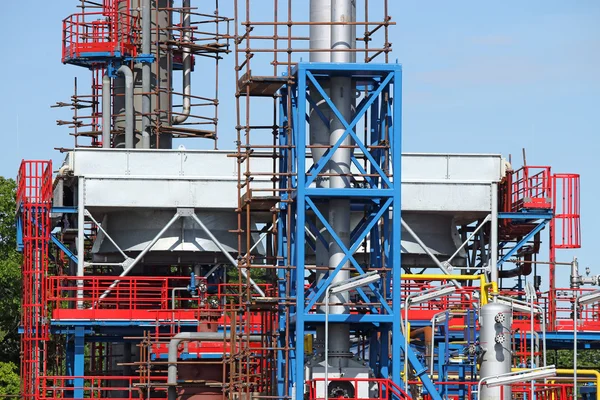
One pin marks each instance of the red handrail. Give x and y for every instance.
(385, 389)
(108, 32)
(530, 187)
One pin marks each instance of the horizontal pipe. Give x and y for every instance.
(571, 372)
(186, 337)
(484, 285)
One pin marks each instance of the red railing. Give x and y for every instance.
(357, 389)
(141, 298)
(462, 299)
(34, 183)
(567, 217)
(468, 389)
(562, 300)
(100, 33)
(543, 391)
(95, 387)
(34, 196)
(530, 187)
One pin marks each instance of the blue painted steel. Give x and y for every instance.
(63, 248)
(380, 201)
(299, 130)
(107, 59)
(63, 210)
(78, 362)
(522, 242)
(526, 215)
(19, 227)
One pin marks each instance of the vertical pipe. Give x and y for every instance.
(342, 96)
(106, 111)
(129, 112)
(146, 75)
(187, 67)
(320, 38)
(531, 342)
(494, 235)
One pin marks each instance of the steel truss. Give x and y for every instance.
(374, 190)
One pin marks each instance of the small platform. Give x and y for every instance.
(264, 86)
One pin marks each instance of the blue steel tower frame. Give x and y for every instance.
(375, 190)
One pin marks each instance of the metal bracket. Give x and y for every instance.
(185, 212)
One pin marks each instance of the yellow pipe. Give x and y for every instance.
(570, 372)
(442, 277)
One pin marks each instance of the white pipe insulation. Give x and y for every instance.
(187, 67)
(106, 111)
(342, 95)
(129, 111)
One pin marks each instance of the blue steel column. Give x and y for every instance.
(396, 137)
(78, 361)
(300, 128)
(382, 196)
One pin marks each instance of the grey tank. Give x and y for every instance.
(495, 341)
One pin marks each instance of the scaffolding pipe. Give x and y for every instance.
(187, 337)
(146, 74)
(106, 112)
(129, 111)
(187, 66)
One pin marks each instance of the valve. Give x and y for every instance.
(213, 302)
(499, 338)
(192, 286)
(472, 350)
(499, 318)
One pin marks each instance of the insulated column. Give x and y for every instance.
(320, 38)
(342, 96)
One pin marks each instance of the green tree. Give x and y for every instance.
(9, 379)
(10, 276)
(586, 359)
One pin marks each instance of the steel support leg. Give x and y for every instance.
(78, 362)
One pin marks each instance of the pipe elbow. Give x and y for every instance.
(126, 72)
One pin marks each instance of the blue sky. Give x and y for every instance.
(479, 76)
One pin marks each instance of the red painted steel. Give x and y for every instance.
(530, 188)
(542, 391)
(34, 194)
(386, 388)
(109, 32)
(96, 387)
(567, 217)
